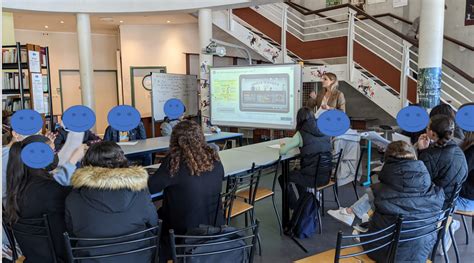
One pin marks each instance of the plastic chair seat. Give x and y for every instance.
(331, 183)
(262, 193)
(240, 207)
(328, 256)
(464, 213)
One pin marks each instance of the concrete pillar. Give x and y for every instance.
(85, 60)
(430, 52)
(205, 61)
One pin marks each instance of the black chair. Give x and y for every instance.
(87, 248)
(224, 205)
(263, 192)
(204, 248)
(11, 240)
(387, 236)
(358, 168)
(33, 229)
(452, 205)
(329, 163)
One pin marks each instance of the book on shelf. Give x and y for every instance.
(14, 103)
(11, 80)
(9, 55)
(45, 83)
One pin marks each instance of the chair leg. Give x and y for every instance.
(456, 251)
(355, 190)
(277, 215)
(446, 258)
(336, 196)
(318, 209)
(322, 201)
(466, 231)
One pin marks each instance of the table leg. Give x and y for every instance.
(284, 202)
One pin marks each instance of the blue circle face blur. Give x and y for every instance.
(413, 118)
(123, 118)
(465, 118)
(79, 118)
(37, 155)
(333, 123)
(173, 108)
(26, 122)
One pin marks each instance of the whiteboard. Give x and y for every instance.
(167, 86)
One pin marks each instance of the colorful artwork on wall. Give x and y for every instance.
(469, 18)
(333, 2)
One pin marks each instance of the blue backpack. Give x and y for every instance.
(304, 221)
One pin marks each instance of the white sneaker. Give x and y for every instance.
(360, 229)
(447, 237)
(342, 215)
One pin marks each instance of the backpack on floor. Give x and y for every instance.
(304, 221)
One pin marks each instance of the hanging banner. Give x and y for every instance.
(400, 3)
(333, 2)
(469, 18)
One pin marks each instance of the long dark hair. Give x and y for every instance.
(303, 116)
(18, 175)
(443, 126)
(105, 154)
(188, 146)
(443, 109)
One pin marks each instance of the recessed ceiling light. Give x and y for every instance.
(167, 21)
(62, 22)
(106, 19)
(121, 21)
(46, 26)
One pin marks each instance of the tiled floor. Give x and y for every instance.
(278, 248)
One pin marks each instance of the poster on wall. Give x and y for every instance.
(37, 85)
(469, 18)
(333, 2)
(400, 3)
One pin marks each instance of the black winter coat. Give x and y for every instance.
(405, 189)
(446, 165)
(188, 200)
(43, 195)
(108, 203)
(468, 186)
(314, 144)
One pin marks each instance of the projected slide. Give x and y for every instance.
(255, 96)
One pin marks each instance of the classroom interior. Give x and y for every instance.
(214, 56)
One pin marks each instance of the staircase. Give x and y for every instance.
(380, 64)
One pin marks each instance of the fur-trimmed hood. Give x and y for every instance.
(132, 178)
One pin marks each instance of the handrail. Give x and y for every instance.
(317, 12)
(392, 30)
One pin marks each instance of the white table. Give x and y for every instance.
(161, 144)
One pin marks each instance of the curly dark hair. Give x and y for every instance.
(187, 145)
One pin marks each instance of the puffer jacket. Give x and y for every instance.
(446, 164)
(405, 189)
(108, 203)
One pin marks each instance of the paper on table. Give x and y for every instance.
(274, 146)
(207, 134)
(376, 139)
(127, 143)
(73, 141)
(400, 137)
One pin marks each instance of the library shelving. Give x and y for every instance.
(24, 69)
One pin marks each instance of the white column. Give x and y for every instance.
(205, 61)
(284, 28)
(430, 52)
(85, 60)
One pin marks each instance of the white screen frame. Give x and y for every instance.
(297, 85)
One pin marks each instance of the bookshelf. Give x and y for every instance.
(24, 67)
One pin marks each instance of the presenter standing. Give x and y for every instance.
(331, 97)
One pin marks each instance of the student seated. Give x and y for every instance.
(312, 143)
(191, 176)
(405, 189)
(110, 199)
(465, 201)
(61, 136)
(167, 126)
(443, 158)
(446, 109)
(138, 133)
(31, 194)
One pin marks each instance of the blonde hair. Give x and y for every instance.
(333, 78)
(400, 150)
